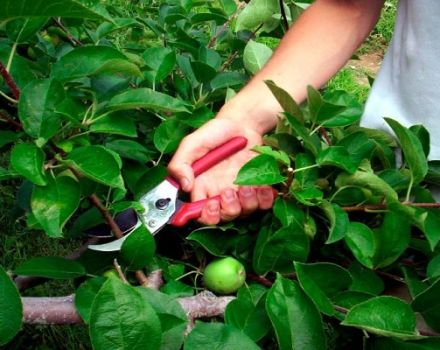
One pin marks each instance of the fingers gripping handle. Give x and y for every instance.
(190, 211)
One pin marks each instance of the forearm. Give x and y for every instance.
(322, 40)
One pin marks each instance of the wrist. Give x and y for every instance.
(257, 113)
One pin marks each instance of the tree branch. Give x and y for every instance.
(61, 310)
(66, 31)
(9, 81)
(384, 206)
(9, 120)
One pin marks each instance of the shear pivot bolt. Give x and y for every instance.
(152, 223)
(162, 203)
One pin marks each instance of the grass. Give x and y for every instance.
(18, 244)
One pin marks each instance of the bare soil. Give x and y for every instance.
(367, 64)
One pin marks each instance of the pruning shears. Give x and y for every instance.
(162, 205)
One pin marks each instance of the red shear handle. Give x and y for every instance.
(218, 154)
(215, 156)
(190, 211)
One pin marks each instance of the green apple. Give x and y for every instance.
(224, 275)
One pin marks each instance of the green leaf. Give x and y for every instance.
(255, 56)
(51, 8)
(12, 310)
(322, 281)
(296, 320)
(338, 220)
(361, 241)
(433, 268)
(217, 336)
(161, 60)
(412, 280)
(92, 60)
(146, 98)
(288, 104)
(28, 160)
(215, 240)
(289, 213)
(261, 170)
(247, 312)
(336, 156)
(359, 146)
(305, 178)
(51, 267)
(392, 239)
(37, 108)
(412, 149)
(428, 298)
(115, 123)
(7, 137)
(172, 317)
(374, 316)
(21, 29)
(227, 79)
(275, 251)
(168, 135)
(348, 299)
(280, 156)
(85, 295)
(368, 180)
(149, 180)
(423, 136)
(122, 319)
(311, 142)
(365, 280)
(256, 13)
(54, 204)
(203, 71)
(395, 344)
(138, 249)
(130, 150)
(177, 289)
(98, 164)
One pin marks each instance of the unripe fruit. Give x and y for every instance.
(224, 275)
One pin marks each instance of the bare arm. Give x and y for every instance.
(312, 51)
(322, 40)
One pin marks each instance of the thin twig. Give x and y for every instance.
(11, 121)
(384, 206)
(284, 16)
(66, 31)
(9, 81)
(119, 271)
(324, 134)
(260, 279)
(225, 26)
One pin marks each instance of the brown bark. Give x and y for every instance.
(61, 310)
(9, 81)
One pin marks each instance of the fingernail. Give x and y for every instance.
(185, 184)
(213, 208)
(228, 195)
(246, 191)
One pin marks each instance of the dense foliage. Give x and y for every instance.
(97, 98)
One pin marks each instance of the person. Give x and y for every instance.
(320, 43)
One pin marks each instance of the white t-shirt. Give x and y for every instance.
(407, 87)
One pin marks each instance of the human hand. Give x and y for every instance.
(219, 179)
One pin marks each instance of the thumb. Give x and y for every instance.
(194, 147)
(182, 172)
